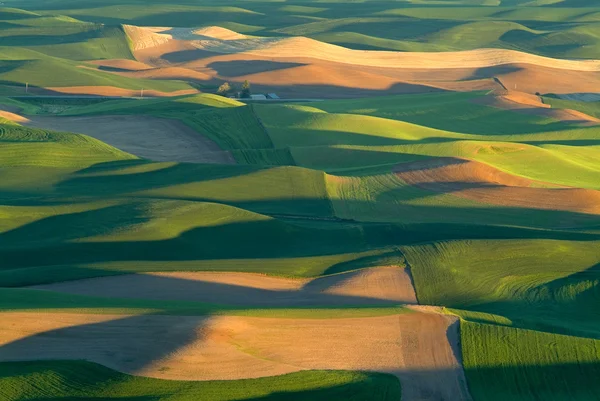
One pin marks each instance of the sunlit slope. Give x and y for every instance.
(385, 197)
(458, 112)
(124, 204)
(368, 156)
(30, 147)
(22, 66)
(542, 284)
(385, 131)
(554, 28)
(63, 37)
(234, 126)
(529, 326)
(113, 237)
(579, 41)
(591, 108)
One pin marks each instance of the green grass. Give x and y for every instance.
(159, 230)
(231, 124)
(157, 213)
(67, 38)
(32, 147)
(313, 194)
(590, 108)
(503, 363)
(543, 284)
(20, 66)
(16, 299)
(558, 29)
(384, 197)
(163, 106)
(349, 134)
(455, 112)
(79, 380)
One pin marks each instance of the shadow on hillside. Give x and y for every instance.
(53, 39)
(138, 344)
(275, 293)
(307, 91)
(185, 56)
(568, 142)
(52, 246)
(487, 72)
(236, 68)
(543, 381)
(129, 343)
(81, 377)
(565, 305)
(18, 89)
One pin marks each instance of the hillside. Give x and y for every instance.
(388, 201)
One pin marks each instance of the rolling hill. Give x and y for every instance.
(417, 216)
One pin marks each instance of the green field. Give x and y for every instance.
(567, 28)
(317, 189)
(510, 363)
(83, 380)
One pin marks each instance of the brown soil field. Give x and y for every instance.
(144, 136)
(511, 102)
(177, 73)
(480, 182)
(532, 104)
(576, 116)
(120, 64)
(302, 67)
(299, 77)
(420, 348)
(219, 33)
(10, 116)
(373, 286)
(525, 99)
(480, 58)
(545, 79)
(146, 37)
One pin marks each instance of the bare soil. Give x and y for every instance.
(373, 286)
(10, 116)
(176, 73)
(218, 32)
(147, 137)
(531, 104)
(120, 64)
(414, 346)
(302, 67)
(483, 183)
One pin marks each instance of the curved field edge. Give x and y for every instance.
(565, 30)
(56, 380)
(25, 299)
(549, 285)
(508, 363)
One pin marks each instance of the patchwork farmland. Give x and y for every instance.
(299, 200)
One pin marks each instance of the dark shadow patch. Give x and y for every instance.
(239, 68)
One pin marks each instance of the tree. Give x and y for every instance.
(224, 89)
(245, 90)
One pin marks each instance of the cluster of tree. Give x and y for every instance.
(227, 89)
